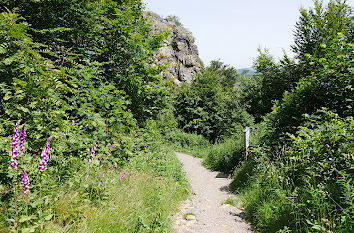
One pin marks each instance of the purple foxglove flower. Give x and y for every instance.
(16, 136)
(114, 166)
(25, 182)
(13, 160)
(23, 139)
(45, 157)
(122, 176)
(93, 152)
(14, 145)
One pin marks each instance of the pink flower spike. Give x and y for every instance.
(86, 178)
(114, 166)
(16, 136)
(25, 182)
(131, 173)
(23, 139)
(93, 151)
(122, 176)
(45, 157)
(14, 145)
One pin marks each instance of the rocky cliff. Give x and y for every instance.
(179, 52)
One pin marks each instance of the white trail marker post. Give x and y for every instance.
(246, 136)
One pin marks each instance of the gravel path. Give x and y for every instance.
(204, 211)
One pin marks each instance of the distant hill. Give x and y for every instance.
(246, 70)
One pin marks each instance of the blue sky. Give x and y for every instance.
(232, 30)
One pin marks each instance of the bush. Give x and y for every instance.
(329, 85)
(209, 106)
(187, 141)
(308, 186)
(225, 156)
(77, 102)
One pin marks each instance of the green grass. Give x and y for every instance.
(226, 155)
(188, 143)
(230, 201)
(143, 202)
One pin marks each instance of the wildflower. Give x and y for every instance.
(122, 176)
(113, 146)
(86, 178)
(131, 173)
(23, 139)
(14, 145)
(114, 166)
(25, 182)
(93, 152)
(45, 156)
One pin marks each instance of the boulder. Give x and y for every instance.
(179, 53)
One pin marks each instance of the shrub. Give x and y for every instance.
(209, 107)
(225, 156)
(188, 141)
(329, 85)
(308, 186)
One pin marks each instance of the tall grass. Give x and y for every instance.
(98, 198)
(190, 143)
(305, 187)
(225, 156)
(140, 203)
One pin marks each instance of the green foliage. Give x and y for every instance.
(227, 74)
(230, 201)
(316, 33)
(320, 167)
(143, 204)
(330, 85)
(210, 108)
(174, 19)
(271, 81)
(320, 25)
(110, 34)
(190, 143)
(303, 183)
(82, 72)
(67, 104)
(310, 184)
(225, 156)
(243, 175)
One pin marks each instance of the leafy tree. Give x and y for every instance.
(330, 85)
(227, 74)
(174, 19)
(210, 108)
(110, 34)
(272, 79)
(66, 103)
(319, 25)
(315, 30)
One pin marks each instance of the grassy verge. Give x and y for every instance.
(100, 198)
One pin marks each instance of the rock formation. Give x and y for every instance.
(179, 52)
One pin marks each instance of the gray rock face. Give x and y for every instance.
(179, 53)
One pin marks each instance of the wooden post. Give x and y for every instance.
(246, 136)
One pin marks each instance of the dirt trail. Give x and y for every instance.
(204, 211)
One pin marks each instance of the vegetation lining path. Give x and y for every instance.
(205, 211)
